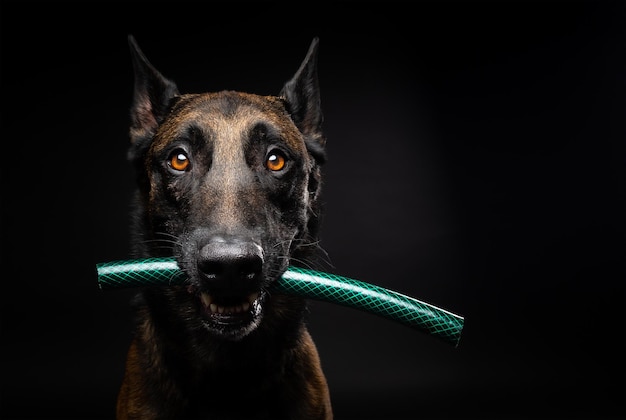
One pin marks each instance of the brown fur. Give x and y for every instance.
(234, 227)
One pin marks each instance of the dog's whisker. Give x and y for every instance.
(316, 251)
(170, 241)
(300, 261)
(167, 241)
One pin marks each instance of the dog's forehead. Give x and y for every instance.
(229, 113)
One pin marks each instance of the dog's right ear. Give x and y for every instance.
(151, 97)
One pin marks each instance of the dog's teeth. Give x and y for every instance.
(206, 299)
(214, 308)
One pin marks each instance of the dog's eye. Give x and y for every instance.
(275, 161)
(179, 161)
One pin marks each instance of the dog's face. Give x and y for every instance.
(229, 184)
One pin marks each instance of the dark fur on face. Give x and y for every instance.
(228, 183)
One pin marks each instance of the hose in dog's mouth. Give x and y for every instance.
(302, 282)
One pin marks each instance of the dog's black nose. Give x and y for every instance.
(230, 263)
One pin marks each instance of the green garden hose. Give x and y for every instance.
(306, 283)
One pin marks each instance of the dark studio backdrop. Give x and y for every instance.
(475, 162)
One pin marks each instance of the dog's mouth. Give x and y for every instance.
(231, 317)
(230, 309)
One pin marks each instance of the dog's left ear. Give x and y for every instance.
(302, 96)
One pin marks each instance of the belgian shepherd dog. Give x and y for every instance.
(228, 183)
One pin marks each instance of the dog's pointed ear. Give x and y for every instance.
(151, 97)
(302, 96)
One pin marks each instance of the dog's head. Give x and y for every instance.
(229, 185)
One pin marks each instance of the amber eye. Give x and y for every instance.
(275, 161)
(178, 161)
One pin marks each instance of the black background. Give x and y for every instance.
(475, 162)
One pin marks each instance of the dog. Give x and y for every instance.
(228, 183)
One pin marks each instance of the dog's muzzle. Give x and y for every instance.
(229, 284)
